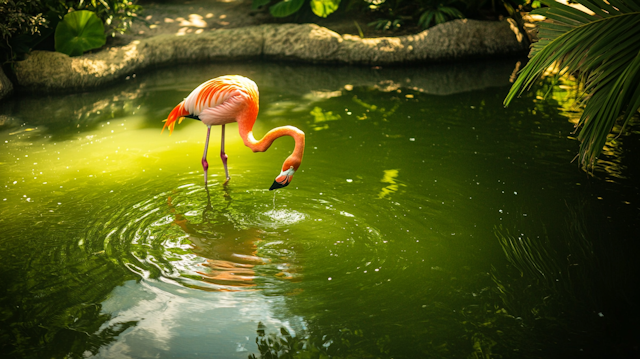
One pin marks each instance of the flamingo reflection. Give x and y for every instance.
(230, 252)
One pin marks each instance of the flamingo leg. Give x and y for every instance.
(223, 157)
(205, 164)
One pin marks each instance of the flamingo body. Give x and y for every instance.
(233, 98)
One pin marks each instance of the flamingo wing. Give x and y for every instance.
(217, 101)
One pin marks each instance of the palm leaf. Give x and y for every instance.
(602, 50)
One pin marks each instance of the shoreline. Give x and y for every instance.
(458, 40)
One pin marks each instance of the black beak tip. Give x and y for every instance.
(277, 185)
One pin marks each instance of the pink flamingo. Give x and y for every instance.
(229, 99)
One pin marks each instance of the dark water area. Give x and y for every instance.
(426, 221)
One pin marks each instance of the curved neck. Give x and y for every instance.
(263, 144)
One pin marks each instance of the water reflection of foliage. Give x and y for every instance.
(320, 118)
(283, 345)
(369, 111)
(565, 93)
(152, 94)
(567, 296)
(55, 309)
(63, 117)
(274, 346)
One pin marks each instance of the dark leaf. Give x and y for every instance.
(285, 8)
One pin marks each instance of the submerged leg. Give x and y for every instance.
(224, 157)
(205, 164)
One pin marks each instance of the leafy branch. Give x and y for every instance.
(600, 47)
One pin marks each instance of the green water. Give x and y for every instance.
(426, 221)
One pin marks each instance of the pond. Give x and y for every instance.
(426, 221)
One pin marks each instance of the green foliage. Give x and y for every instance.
(274, 346)
(385, 25)
(256, 4)
(78, 32)
(30, 24)
(22, 25)
(439, 14)
(18, 16)
(284, 8)
(396, 14)
(392, 14)
(117, 15)
(283, 345)
(324, 8)
(422, 13)
(602, 50)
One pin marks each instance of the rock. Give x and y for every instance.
(306, 42)
(6, 87)
(454, 40)
(45, 71)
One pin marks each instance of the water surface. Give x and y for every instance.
(425, 221)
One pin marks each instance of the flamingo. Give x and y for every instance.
(234, 98)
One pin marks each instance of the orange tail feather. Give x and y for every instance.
(176, 114)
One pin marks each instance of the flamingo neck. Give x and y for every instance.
(265, 142)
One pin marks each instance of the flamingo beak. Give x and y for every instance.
(283, 179)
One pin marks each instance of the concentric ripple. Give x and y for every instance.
(220, 239)
(215, 238)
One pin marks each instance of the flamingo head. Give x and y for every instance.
(283, 179)
(289, 167)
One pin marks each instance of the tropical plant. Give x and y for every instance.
(18, 16)
(390, 12)
(78, 32)
(599, 46)
(387, 24)
(427, 13)
(30, 24)
(439, 14)
(22, 22)
(495, 8)
(421, 13)
(284, 8)
(117, 15)
(395, 14)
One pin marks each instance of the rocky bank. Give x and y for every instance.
(44, 71)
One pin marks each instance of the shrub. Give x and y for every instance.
(394, 14)
(284, 8)
(30, 24)
(23, 24)
(18, 17)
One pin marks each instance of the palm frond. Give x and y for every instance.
(602, 50)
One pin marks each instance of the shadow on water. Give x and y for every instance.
(575, 282)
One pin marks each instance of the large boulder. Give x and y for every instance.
(455, 40)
